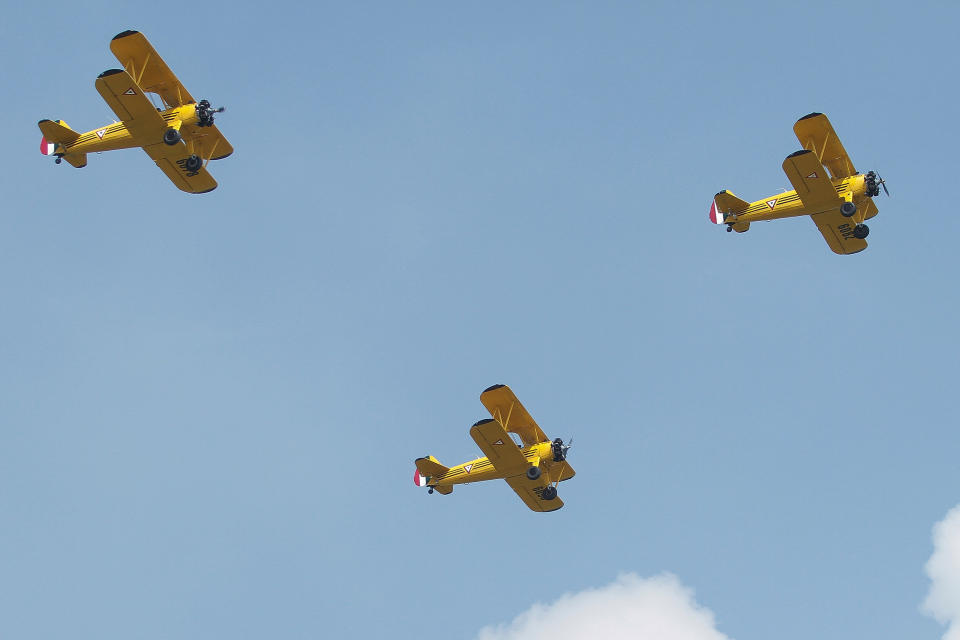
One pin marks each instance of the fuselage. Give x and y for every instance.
(482, 469)
(117, 136)
(788, 204)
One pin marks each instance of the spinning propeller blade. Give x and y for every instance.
(883, 183)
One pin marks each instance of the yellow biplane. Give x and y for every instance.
(826, 187)
(179, 135)
(532, 467)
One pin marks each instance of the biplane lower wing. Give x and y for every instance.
(132, 107)
(497, 445)
(531, 492)
(172, 160)
(207, 142)
(809, 179)
(838, 232)
(503, 405)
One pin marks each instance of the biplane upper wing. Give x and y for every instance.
(816, 134)
(499, 447)
(530, 492)
(809, 178)
(507, 410)
(838, 232)
(142, 62)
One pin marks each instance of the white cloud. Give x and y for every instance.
(943, 600)
(631, 607)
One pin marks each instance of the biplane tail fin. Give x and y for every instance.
(55, 133)
(725, 203)
(428, 468)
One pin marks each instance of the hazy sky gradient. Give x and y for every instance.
(211, 404)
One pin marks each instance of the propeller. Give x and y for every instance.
(560, 449)
(874, 181)
(883, 183)
(205, 112)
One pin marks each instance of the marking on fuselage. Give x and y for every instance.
(467, 467)
(130, 92)
(812, 175)
(498, 442)
(772, 203)
(100, 133)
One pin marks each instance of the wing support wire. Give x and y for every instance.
(812, 146)
(499, 417)
(132, 70)
(143, 69)
(192, 150)
(206, 160)
(556, 483)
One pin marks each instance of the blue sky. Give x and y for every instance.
(211, 404)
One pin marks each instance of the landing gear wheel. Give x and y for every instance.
(430, 491)
(533, 473)
(729, 228)
(171, 136)
(194, 163)
(861, 231)
(58, 160)
(847, 209)
(549, 493)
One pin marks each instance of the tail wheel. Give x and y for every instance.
(861, 231)
(194, 163)
(171, 136)
(549, 493)
(848, 209)
(533, 473)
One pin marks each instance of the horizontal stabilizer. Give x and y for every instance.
(430, 466)
(724, 204)
(57, 131)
